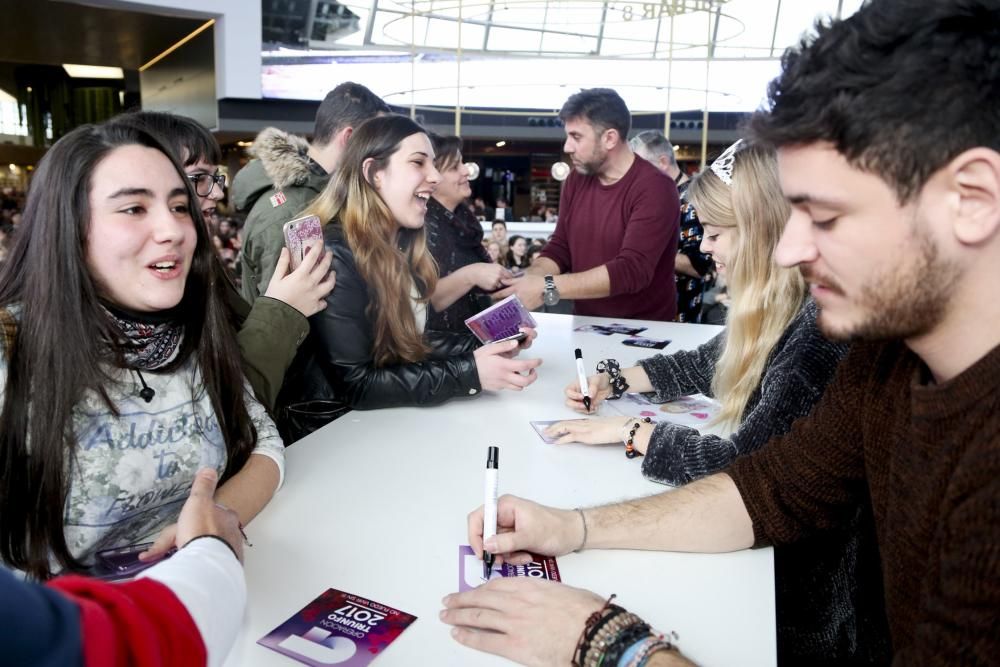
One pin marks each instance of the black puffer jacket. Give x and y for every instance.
(341, 340)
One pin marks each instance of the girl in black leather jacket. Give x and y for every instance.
(370, 346)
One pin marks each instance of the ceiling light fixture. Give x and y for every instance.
(501, 144)
(94, 72)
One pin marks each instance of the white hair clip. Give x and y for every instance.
(723, 165)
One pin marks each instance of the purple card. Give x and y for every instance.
(338, 628)
(502, 319)
(470, 569)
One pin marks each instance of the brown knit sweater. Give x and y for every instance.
(929, 458)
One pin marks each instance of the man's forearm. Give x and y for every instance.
(543, 266)
(593, 283)
(668, 659)
(707, 516)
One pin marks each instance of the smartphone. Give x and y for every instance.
(299, 234)
(123, 562)
(519, 336)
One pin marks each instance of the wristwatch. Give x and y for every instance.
(550, 296)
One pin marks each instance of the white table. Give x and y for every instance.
(375, 504)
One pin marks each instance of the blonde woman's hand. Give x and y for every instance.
(304, 289)
(599, 387)
(593, 431)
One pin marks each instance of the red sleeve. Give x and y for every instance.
(140, 623)
(557, 248)
(651, 231)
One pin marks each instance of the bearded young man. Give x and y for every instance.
(615, 243)
(888, 137)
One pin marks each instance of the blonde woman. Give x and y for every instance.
(767, 369)
(369, 345)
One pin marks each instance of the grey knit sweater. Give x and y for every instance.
(797, 372)
(827, 594)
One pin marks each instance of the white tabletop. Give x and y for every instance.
(375, 504)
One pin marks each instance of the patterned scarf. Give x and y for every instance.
(149, 340)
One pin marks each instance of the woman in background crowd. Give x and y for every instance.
(455, 240)
(517, 258)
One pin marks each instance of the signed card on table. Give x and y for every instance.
(540, 427)
(470, 569)
(338, 628)
(695, 411)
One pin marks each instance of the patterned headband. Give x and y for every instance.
(723, 165)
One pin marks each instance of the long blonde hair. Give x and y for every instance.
(392, 261)
(764, 297)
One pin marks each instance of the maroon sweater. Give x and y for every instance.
(631, 227)
(928, 456)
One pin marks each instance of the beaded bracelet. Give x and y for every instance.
(615, 378)
(630, 450)
(625, 639)
(606, 634)
(591, 621)
(649, 647)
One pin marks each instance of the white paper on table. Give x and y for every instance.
(695, 411)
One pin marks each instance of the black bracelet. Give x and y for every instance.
(630, 450)
(615, 378)
(624, 640)
(215, 537)
(581, 644)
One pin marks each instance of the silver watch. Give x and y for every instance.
(550, 296)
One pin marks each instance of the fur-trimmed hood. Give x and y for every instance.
(280, 161)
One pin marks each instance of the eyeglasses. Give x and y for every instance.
(203, 183)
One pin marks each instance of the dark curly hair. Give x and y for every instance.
(899, 89)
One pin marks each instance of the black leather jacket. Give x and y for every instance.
(342, 339)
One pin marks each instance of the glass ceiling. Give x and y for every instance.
(532, 54)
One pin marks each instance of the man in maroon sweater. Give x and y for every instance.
(888, 135)
(614, 246)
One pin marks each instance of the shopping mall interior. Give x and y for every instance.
(494, 72)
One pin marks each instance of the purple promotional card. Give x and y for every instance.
(502, 319)
(470, 569)
(338, 628)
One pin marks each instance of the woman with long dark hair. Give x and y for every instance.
(120, 371)
(371, 344)
(270, 331)
(517, 253)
